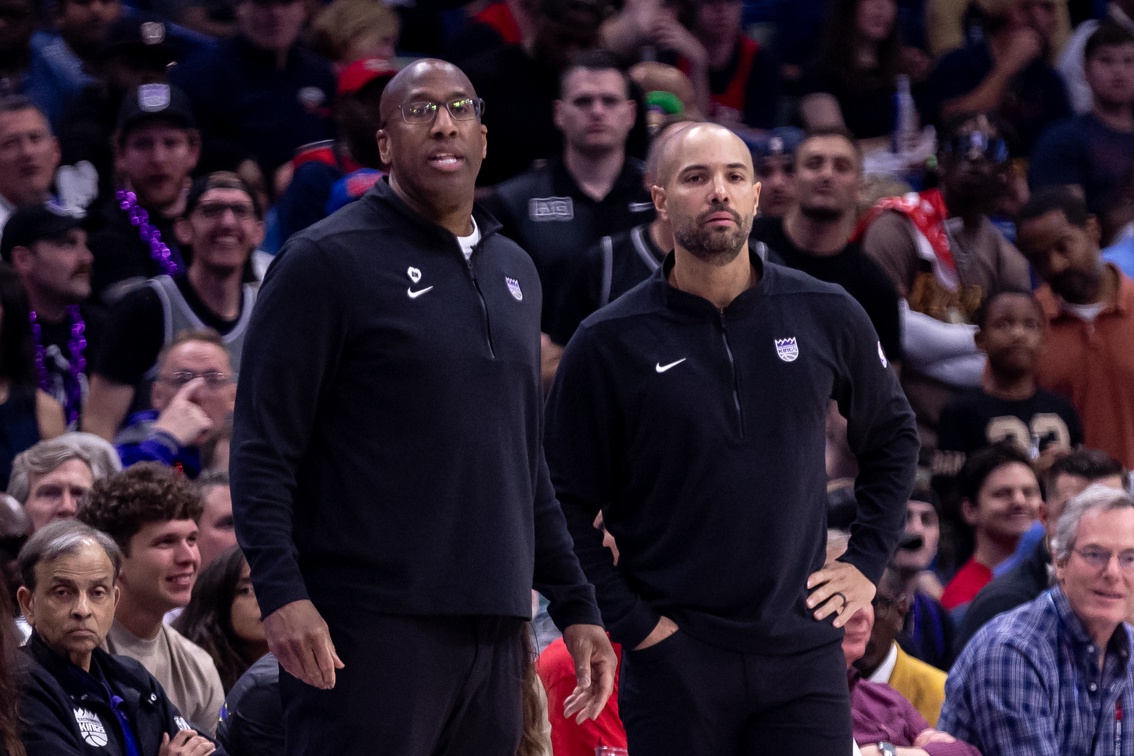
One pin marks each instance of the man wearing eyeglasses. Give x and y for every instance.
(388, 480)
(192, 394)
(222, 225)
(1053, 677)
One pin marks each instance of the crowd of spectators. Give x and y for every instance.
(963, 168)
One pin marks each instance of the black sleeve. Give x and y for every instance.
(133, 338)
(991, 601)
(256, 726)
(581, 295)
(762, 94)
(43, 722)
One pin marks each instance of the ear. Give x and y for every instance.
(657, 194)
(24, 598)
(484, 136)
(117, 596)
(384, 151)
(22, 260)
(183, 231)
(969, 512)
(258, 235)
(756, 187)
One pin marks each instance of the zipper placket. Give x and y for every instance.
(483, 303)
(735, 375)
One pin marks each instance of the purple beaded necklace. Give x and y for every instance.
(76, 346)
(140, 219)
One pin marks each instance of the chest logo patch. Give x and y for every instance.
(90, 727)
(551, 209)
(181, 723)
(514, 287)
(414, 274)
(787, 350)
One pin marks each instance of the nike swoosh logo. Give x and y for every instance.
(662, 368)
(415, 294)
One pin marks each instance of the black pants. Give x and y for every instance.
(686, 697)
(412, 686)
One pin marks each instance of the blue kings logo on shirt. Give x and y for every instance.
(551, 209)
(514, 287)
(90, 727)
(787, 349)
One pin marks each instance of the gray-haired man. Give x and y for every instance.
(49, 478)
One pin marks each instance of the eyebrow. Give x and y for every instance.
(417, 94)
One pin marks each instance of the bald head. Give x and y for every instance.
(684, 144)
(413, 76)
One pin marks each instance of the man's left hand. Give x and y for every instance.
(595, 664)
(839, 589)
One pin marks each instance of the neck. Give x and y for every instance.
(720, 284)
(1119, 117)
(990, 551)
(46, 307)
(661, 234)
(172, 209)
(971, 214)
(1008, 387)
(595, 173)
(455, 216)
(219, 289)
(822, 238)
(142, 621)
(1107, 293)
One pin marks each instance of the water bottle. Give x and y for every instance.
(905, 117)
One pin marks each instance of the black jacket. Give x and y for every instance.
(65, 712)
(387, 445)
(700, 433)
(1005, 592)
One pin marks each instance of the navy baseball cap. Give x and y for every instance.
(30, 224)
(155, 101)
(781, 141)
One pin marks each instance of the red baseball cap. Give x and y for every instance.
(361, 72)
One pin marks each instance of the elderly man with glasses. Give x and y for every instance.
(1053, 677)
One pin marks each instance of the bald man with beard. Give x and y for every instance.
(691, 413)
(388, 481)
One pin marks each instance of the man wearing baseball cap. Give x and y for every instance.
(319, 167)
(47, 247)
(774, 156)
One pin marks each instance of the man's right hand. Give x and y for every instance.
(186, 743)
(301, 641)
(183, 418)
(1024, 46)
(665, 628)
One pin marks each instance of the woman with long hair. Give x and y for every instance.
(223, 617)
(10, 743)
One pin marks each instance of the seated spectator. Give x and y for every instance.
(27, 412)
(927, 633)
(1006, 72)
(1094, 152)
(52, 477)
(222, 225)
(47, 247)
(1089, 308)
(29, 154)
(156, 147)
(1000, 499)
(884, 661)
(261, 92)
(345, 31)
(251, 720)
(217, 534)
(1051, 676)
(854, 80)
(1009, 405)
(75, 696)
(193, 395)
(151, 512)
(1069, 475)
(1071, 64)
(223, 617)
(945, 257)
(15, 528)
(774, 156)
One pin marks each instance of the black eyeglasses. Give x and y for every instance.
(214, 210)
(214, 379)
(883, 604)
(423, 112)
(978, 144)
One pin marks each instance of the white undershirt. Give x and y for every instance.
(1086, 312)
(468, 242)
(886, 668)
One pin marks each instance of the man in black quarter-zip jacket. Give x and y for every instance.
(691, 412)
(387, 468)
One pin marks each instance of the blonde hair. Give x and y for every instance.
(344, 21)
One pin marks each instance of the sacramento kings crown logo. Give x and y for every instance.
(787, 349)
(90, 727)
(514, 287)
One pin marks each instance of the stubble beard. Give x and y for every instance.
(715, 247)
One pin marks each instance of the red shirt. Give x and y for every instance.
(965, 584)
(557, 672)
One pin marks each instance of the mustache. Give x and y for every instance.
(713, 211)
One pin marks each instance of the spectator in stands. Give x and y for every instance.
(156, 147)
(345, 31)
(520, 83)
(32, 70)
(1007, 73)
(222, 226)
(261, 92)
(223, 617)
(52, 477)
(945, 256)
(1089, 306)
(1052, 677)
(29, 153)
(216, 533)
(815, 235)
(354, 152)
(1094, 152)
(1009, 404)
(151, 512)
(852, 84)
(504, 22)
(1071, 61)
(928, 630)
(47, 247)
(775, 167)
(884, 661)
(76, 697)
(15, 528)
(193, 395)
(251, 720)
(1068, 477)
(1000, 499)
(594, 189)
